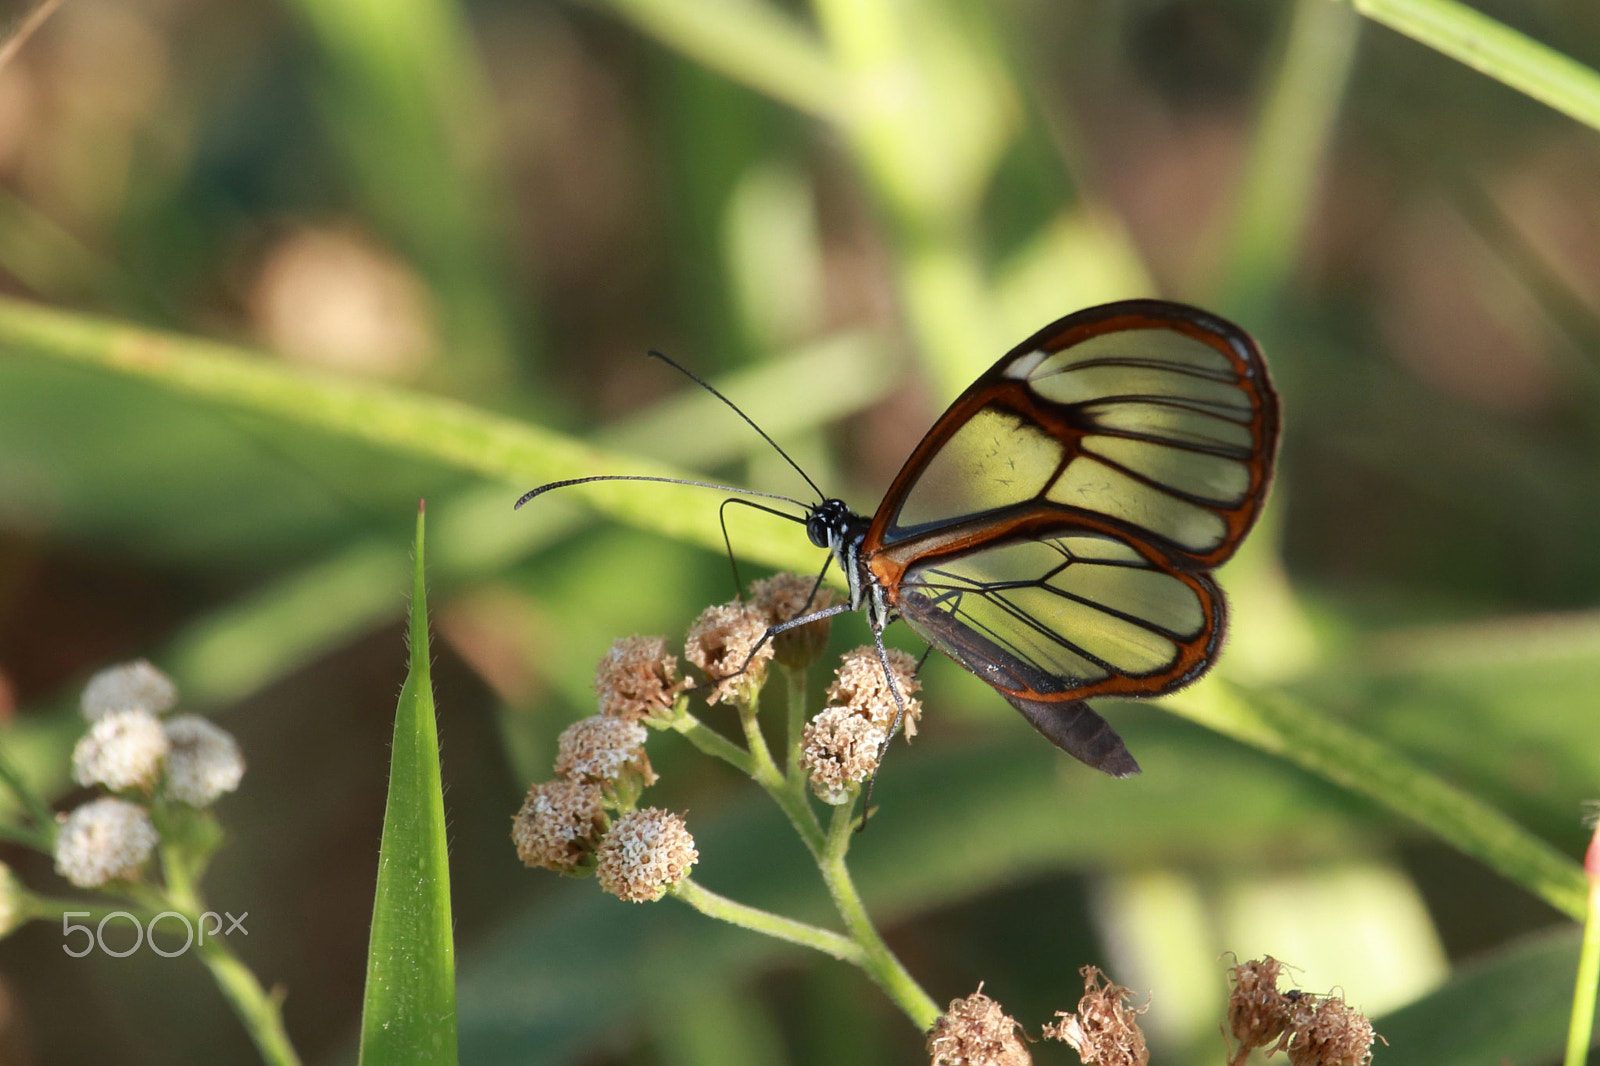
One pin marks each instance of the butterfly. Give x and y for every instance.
(1055, 531)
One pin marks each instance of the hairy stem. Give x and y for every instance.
(714, 906)
(879, 962)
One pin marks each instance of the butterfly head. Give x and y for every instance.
(832, 522)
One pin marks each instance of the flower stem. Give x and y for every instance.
(51, 908)
(39, 839)
(787, 791)
(714, 906)
(766, 771)
(1583, 993)
(712, 743)
(797, 724)
(879, 962)
(43, 835)
(260, 1011)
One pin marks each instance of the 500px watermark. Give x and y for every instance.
(210, 924)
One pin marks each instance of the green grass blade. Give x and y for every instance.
(399, 420)
(1277, 724)
(1508, 1009)
(401, 88)
(1497, 50)
(1580, 1030)
(1292, 136)
(409, 1012)
(750, 41)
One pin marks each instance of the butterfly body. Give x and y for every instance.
(1054, 531)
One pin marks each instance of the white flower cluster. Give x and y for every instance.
(130, 749)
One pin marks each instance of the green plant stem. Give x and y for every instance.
(714, 906)
(711, 742)
(790, 796)
(53, 908)
(1496, 50)
(41, 836)
(1279, 725)
(749, 41)
(260, 1011)
(879, 962)
(39, 839)
(766, 772)
(1581, 1028)
(1291, 140)
(796, 693)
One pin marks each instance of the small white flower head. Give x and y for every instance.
(721, 641)
(638, 679)
(647, 852)
(123, 750)
(860, 685)
(839, 750)
(13, 901)
(601, 749)
(976, 1031)
(204, 761)
(126, 687)
(107, 839)
(559, 825)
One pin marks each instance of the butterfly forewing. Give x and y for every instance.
(1053, 530)
(1155, 416)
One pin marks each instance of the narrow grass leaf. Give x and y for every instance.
(403, 421)
(409, 1013)
(1495, 49)
(1507, 1010)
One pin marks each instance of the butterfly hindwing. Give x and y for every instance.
(1068, 611)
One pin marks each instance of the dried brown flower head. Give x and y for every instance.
(637, 679)
(1327, 1031)
(560, 825)
(602, 749)
(720, 643)
(860, 685)
(647, 852)
(976, 1031)
(1257, 1011)
(786, 596)
(1313, 1030)
(839, 750)
(1105, 1030)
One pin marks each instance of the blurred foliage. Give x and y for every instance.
(840, 213)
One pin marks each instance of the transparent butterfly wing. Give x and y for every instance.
(1053, 531)
(1155, 416)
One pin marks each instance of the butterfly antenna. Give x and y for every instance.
(698, 380)
(542, 489)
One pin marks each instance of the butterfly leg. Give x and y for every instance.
(782, 627)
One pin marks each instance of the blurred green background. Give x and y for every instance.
(840, 213)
